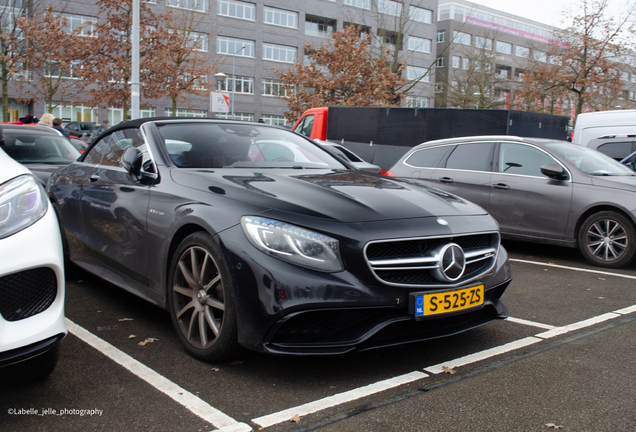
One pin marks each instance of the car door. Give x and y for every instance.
(523, 200)
(114, 205)
(466, 172)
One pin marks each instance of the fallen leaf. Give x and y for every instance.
(237, 362)
(132, 336)
(601, 279)
(545, 269)
(99, 311)
(600, 298)
(126, 319)
(295, 419)
(149, 340)
(553, 426)
(215, 369)
(448, 370)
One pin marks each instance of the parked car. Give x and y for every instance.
(598, 124)
(355, 160)
(78, 128)
(617, 146)
(31, 277)
(90, 136)
(539, 190)
(41, 149)
(79, 144)
(254, 236)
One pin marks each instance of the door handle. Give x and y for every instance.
(445, 180)
(501, 186)
(93, 178)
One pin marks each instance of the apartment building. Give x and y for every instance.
(251, 40)
(483, 54)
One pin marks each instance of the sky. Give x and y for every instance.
(545, 11)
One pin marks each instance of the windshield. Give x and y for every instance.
(590, 161)
(27, 147)
(219, 145)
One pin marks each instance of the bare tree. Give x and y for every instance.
(51, 59)
(342, 75)
(583, 60)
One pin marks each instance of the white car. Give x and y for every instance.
(31, 276)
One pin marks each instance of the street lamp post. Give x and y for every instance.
(234, 79)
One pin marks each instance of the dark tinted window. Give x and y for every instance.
(616, 150)
(109, 149)
(473, 156)
(522, 159)
(428, 157)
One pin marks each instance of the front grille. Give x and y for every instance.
(415, 262)
(27, 293)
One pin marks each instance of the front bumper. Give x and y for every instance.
(32, 286)
(285, 309)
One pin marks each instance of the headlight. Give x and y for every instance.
(22, 203)
(293, 244)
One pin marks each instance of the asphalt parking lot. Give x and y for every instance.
(564, 360)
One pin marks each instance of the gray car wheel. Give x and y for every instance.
(201, 299)
(607, 239)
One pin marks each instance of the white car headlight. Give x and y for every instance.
(22, 203)
(293, 244)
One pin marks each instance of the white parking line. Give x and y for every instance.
(530, 323)
(577, 326)
(337, 399)
(573, 268)
(482, 355)
(161, 383)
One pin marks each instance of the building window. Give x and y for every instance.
(504, 47)
(441, 35)
(237, 9)
(419, 44)
(272, 87)
(540, 56)
(439, 62)
(522, 51)
(483, 43)
(632, 96)
(462, 38)
(460, 63)
(387, 37)
(85, 24)
(362, 4)
(71, 72)
(439, 87)
(237, 116)
(390, 7)
(279, 17)
(69, 113)
(195, 5)
(186, 113)
(279, 53)
(320, 27)
(243, 84)
(226, 45)
(421, 15)
(198, 41)
(414, 73)
(417, 102)
(277, 120)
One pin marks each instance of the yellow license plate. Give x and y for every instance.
(449, 301)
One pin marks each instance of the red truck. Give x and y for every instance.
(381, 135)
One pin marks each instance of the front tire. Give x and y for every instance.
(607, 239)
(201, 299)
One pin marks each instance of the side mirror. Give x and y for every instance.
(131, 160)
(554, 171)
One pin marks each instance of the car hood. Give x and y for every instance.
(10, 168)
(616, 182)
(347, 196)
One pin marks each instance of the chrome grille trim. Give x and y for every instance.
(429, 260)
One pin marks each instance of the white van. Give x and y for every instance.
(604, 124)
